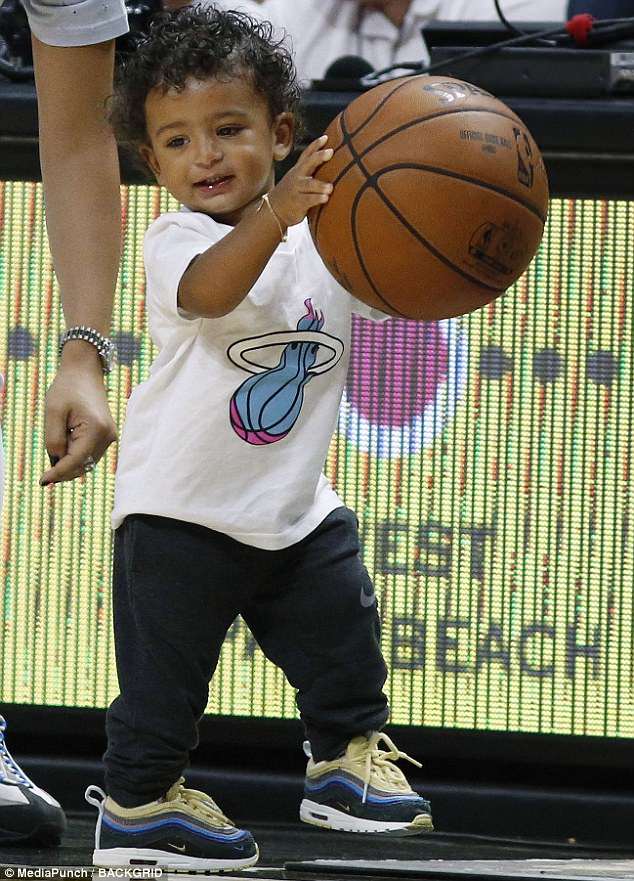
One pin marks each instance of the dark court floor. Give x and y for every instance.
(291, 852)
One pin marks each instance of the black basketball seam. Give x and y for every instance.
(418, 119)
(374, 112)
(371, 181)
(348, 139)
(472, 180)
(357, 249)
(437, 254)
(345, 137)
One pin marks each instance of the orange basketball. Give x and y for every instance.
(439, 202)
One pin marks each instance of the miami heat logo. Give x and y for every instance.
(267, 405)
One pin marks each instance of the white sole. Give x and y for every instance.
(114, 857)
(330, 818)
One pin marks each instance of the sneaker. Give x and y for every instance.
(28, 815)
(364, 791)
(184, 831)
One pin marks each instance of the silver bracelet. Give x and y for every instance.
(106, 349)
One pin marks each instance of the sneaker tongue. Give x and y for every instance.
(173, 792)
(357, 748)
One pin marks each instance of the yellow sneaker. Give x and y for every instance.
(183, 831)
(364, 791)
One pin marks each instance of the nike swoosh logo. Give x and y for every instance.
(367, 599)
(178, 846)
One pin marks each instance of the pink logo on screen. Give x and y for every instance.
(404, 381)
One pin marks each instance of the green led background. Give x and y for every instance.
(488, 458)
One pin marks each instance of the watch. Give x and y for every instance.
(106, 349)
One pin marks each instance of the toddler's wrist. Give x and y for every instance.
(278, 210)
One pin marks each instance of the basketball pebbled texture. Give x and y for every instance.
(439, 202)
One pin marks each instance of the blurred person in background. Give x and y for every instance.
(383, 32)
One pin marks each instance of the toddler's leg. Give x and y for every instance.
(176, 591)
(317, 619)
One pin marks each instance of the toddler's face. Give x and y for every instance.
(213, 145)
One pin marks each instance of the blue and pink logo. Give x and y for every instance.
(267, 405)
(404, 381)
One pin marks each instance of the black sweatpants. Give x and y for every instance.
(178, 587)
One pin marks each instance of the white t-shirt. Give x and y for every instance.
(76, 22)
(322, 31)
(232, 427)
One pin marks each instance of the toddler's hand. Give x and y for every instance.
(298, 191)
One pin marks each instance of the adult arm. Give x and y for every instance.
(80, 172)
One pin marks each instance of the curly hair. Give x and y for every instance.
(200, 42)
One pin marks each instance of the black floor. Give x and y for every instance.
(292, 843)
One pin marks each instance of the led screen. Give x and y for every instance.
(488, 459)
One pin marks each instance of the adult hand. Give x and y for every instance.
(78, 154)
(78, 422)
(395, 10)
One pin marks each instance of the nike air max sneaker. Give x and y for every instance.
(364, 791)
(28, 815)
(185, 831)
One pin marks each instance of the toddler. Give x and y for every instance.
(221, 507)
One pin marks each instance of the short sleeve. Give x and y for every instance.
(171, 243)
(76, 22)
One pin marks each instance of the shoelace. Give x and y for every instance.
(199, 802)
(10, 771)
(378, 763)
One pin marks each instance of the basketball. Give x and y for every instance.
(439, 202)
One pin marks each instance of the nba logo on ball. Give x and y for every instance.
(404, 382)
